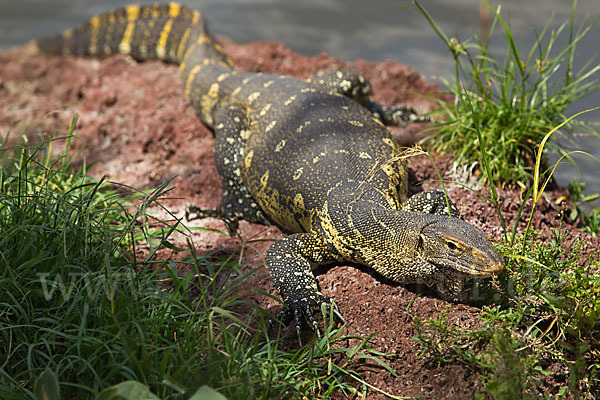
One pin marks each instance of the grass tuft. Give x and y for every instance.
(515, 101)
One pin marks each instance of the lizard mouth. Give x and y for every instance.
(483, 271)
(472, 269)
(494, 268)
(482, 263)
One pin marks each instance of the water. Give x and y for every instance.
(349, 29)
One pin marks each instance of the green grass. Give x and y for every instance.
(515, 100)
(88, 311)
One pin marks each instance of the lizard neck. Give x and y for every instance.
(362, 224)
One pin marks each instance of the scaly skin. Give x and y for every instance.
(312, 157)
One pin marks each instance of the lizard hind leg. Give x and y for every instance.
(356, 87)
(236, 202)
(344, 82)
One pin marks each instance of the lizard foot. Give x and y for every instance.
(402, 114)
(395, 115)
(230, 223)
(298, 309)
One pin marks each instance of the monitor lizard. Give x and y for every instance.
(311, 156)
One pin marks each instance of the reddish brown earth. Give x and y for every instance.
(137, 127)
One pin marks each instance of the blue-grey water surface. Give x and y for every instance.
(349, 29)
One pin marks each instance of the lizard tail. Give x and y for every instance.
(169, 32)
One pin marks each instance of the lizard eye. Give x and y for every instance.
(451, 245)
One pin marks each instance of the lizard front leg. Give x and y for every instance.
(290, 262)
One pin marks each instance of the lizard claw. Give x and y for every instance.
(336, 312)
(302, 310)
(192, 210)
(187, 214)
(297, 323)
(230, 222)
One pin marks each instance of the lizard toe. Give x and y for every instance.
(284, 317)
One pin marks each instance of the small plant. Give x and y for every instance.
(589, 220)
(515, 101)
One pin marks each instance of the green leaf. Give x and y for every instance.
(128, 390)
(206, 393)
(171, 246)
(46, 386)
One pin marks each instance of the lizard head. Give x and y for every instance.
(456, 247)
(425, 248)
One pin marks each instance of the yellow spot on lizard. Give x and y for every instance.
(270, 126)
(280, 146)
(248, 159)
(174, 10)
